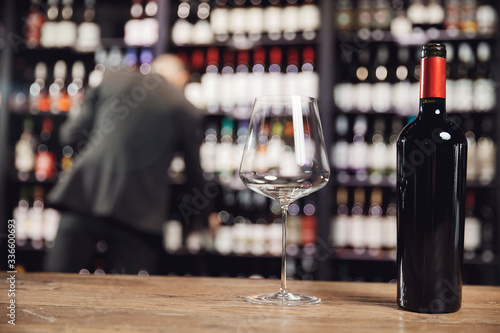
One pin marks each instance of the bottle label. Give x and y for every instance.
(433, 77)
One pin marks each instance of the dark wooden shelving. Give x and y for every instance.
(416, 38)
(325, 42)
(386, 181)
(26, 113)
(244, 43)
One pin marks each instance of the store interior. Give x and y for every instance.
(360, 59)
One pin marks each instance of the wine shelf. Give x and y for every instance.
(417, 37)
(328, 41)
(247, 44)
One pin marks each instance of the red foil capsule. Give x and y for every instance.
(433, 77)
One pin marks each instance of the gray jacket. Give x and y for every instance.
(125, 137)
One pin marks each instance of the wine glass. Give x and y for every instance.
(284, 159)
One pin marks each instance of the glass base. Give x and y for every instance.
(283, 299)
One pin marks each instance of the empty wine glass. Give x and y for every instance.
(284, 159)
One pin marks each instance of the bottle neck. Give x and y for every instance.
(433, 77)
(432, 87)
(431, 107)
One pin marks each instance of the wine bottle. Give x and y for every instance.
(356, 224)
(436, 14)
(432, 156)
(272, 19)
(452, 19)
(364, 19)
(463, 87)
(237, 19)
(133, 27)
(401, 89)
(97, 74)
(417, 12)
(310, 19)
(344, 15)
(150, 24)
(34, 23)
(358, 149)
(75, 88)
(294, 227)
(255, 20)
(25, 151)
(223, 152)
(89, 32)
(486, 153)
(219, 21)
(401, 26)
(391, 163)
(487, 18)
(35, 218)
(240, 85)
(472, 160)
(50, 29)
(210, 81)
(146, 58)
(226, 84)
(256, 78)
(38, 98)
(376, 149)
(344, 89)
(341, 220)
(340, 149)
(202, 33)
(239, 146)
(362, 87)
(193, 90)
(484, 97)
(381, 89)
(208, 150)
(290, 20)
(59, 99)
(66, 36)
(20, 214)
(308, 225)
(382, 15)
(45, 158)
(451, 78)
(472, 233)
(291, 79)
(389, 228)
(308, 77)
(468, 21)
(273, 77)
(372, 231)
(67, 158)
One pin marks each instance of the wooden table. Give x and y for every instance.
(88, 303)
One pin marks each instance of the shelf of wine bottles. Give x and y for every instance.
(364, 226)
(237, 50)
(244, 24)
(225, 81)
(415, 21)
(375, 94)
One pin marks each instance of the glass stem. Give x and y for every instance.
(284, 210)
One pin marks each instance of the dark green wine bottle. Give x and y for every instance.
(431, 177)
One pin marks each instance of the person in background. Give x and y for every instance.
(126, 135)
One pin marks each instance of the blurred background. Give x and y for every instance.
(359, 58)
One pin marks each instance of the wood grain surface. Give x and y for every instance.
(73, 303)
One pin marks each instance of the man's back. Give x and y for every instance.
(126, 136)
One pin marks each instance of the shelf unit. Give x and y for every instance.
(329, 263)
(477, 270)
